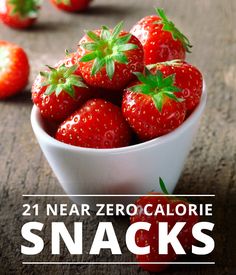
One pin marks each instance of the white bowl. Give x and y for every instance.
(130, 170)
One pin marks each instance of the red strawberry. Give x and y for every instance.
(108, 95)
(187, 77)
(71, 5)
(160, 38)
(151, 106)
(98, 124)
(150, 238)
(19, 13)
(110, 57)
(14, 69)
(59, 91)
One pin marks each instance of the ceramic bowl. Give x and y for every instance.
(130, 170)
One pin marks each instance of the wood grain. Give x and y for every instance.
(211, 165)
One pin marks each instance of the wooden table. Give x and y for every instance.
(210, 168)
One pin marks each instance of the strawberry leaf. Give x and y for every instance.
(75, 80)
(62, 79)
(171, 89)
(110, 67)
(163, 187)
(88, 57)
(59, 89)
(106, 35)
(70, 71)
(93, 36)
(27, 9)
(118, 28)
(44, 74)
(157, 86)
(169, 26)
(123, 39)
(107, 49)
(90, 46)
(97, 65)
(125, 47)
(158, 101)
(143, 88)
(172, 96)
(50, 89)
(121, 58)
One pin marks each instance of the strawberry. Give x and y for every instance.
(98, 124)
(151, 107)
(59, 91)
(19, 14)
(14, 69)
(187, 77)
(161, 40)
(150, 238)
(71, 5)
(108, 95)
(109, 57)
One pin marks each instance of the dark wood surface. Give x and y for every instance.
(210, 167)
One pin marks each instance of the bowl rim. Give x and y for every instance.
(36, 122)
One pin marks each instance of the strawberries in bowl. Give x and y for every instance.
(111, 66)
(122, 109)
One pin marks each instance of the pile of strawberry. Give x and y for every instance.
(121, 87)
(21, 14)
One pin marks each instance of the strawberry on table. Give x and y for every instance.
(151, 105)
(109, 57)
(145, 238)
(187, 77)
(98, 124)
(59, 91)
(71, 5)
(14, 69)
(161, 40)
(19, 14)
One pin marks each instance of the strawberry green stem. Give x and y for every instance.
(106, 49)
(157, 86)
(25, 8)
(169, 26)
(163, 187)
(62, 79)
